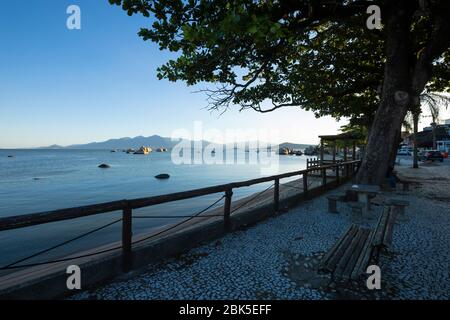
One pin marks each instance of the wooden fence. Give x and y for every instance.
(341, 170)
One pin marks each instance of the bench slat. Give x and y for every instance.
(330, 253)
(345, 259)
(381, 227)
(336, 257)
(356, 254)
(387, 239)
(364, 258)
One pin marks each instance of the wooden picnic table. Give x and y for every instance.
(363, 191)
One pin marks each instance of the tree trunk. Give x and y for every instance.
(396, 95)
(416, 129)
(393, 155)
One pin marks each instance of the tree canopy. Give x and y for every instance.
(270, 54)
(314, 54)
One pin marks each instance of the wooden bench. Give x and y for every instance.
(350, 256)
(398, 208)
(385, 227)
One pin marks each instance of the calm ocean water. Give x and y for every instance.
(41, 180)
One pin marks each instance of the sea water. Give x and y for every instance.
(41, 180)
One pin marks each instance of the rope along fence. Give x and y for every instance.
(15, 265)
(127, 205)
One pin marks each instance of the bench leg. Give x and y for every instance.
(400, 214)
(332, 206)
(356, 215)
(364, 198)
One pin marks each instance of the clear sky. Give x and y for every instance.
(60, 86)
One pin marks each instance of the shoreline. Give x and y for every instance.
(279, 259)
(264, 199)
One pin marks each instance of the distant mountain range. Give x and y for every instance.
(122, 143)
(154, 141)
(294, 146)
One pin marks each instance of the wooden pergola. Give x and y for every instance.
(348, 138)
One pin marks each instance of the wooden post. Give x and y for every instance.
(345, 152)
(321, 151)
(354, 151)
(305, 185)
(334, 151)
(276, 195)
(127, 233)
(324, 179)
(227, 209)
(337, 175)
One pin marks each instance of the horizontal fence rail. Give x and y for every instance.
(126, 206)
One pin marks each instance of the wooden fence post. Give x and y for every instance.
(305, 185)
(324, 179)
(337, 174)
(127, 233)
(227, 209)
(276, 195)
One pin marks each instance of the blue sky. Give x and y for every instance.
(60, 86)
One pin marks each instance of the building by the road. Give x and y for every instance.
(425, 137)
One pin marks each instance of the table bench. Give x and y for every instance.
(332, 201)
(357, 211)
(365, 193)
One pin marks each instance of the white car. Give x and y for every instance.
(403, 152)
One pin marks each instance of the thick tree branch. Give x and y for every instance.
(439, 42)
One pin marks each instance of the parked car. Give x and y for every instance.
(403, 152)
(432, 155)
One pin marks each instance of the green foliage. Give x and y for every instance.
(317, 55)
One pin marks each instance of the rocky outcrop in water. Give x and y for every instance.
(162, 176)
